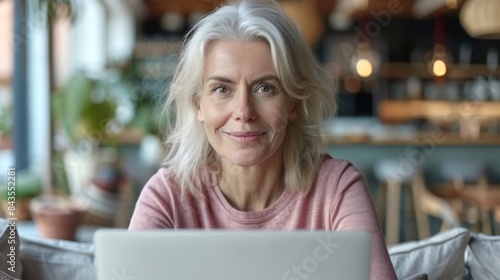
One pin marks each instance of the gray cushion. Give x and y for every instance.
(420, 276)
(10, 265)
(483, 256)
(50, 259)
(440, 256)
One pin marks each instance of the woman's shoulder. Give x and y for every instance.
(338, 174)
(166, 178)
(336, 166)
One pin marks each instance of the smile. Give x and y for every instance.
(245, 137)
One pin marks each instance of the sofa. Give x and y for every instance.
(453, 254)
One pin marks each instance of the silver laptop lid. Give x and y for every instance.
(231, 255)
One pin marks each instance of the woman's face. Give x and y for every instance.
(243, 106)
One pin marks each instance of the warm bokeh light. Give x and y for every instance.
(352, 84)
(361, 4)
(481, 18)
(452, 4)
(439, 68)
(364, 68)
(305, 15)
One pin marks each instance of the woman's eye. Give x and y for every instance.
(220, 89)
(266, 89)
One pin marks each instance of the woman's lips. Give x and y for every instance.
(245, 137)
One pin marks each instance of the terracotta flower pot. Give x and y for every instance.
(55, 217)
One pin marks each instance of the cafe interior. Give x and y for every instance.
(417, 86)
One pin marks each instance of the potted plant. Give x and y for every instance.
(5, 124)
(84, 121)
(28, 185)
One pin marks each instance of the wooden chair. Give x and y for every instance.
(427, 204)
(392, 179)
(467, 188)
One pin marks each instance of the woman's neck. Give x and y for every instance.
(252, 188)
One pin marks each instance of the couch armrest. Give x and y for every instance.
(440, 256)
(50, 259)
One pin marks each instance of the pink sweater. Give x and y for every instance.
(338, 200)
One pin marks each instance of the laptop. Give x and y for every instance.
(231, 255)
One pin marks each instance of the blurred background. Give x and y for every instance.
(82, 85)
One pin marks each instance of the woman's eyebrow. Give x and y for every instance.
(258, 80)
(267, 78)
(220, 79)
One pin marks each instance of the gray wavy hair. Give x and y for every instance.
(301, 75)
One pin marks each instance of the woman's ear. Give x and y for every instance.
(199, 112)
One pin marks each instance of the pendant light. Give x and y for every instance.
(365, 61)
(439, 59)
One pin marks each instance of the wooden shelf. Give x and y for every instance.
(456, 71)
(391, 111)
(404, 70)
(450, 140)
(157, 8)
(324, 7)
(489, 198)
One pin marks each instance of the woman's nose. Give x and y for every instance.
(244, 109)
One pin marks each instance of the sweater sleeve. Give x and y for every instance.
(155, 206)
(352, 209)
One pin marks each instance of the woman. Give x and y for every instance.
(245, 150)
